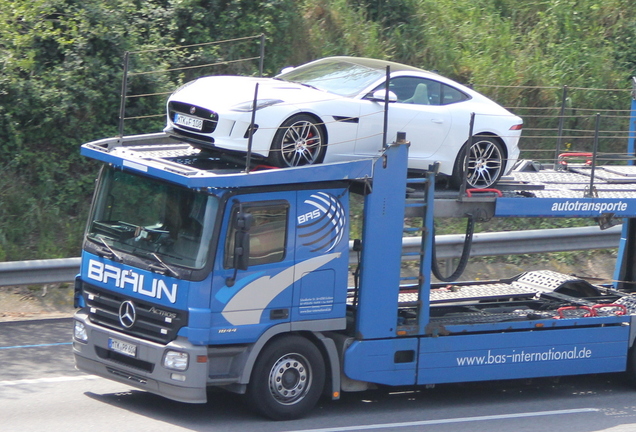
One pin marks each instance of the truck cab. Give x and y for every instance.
(191, 266)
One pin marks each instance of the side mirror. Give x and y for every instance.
(241, 258)
(379, 95)
(243, 224)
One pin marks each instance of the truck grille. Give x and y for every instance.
(158, 324)
(210, 118)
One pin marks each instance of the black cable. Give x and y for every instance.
(463, 260)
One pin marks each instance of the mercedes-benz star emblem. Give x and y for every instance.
(127, 314)
(192, 110)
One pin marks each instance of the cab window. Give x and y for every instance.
(268, 234)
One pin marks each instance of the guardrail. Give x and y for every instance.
(448, 247)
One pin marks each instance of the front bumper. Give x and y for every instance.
(145, 371)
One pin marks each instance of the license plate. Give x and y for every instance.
(188, 121)
(122, 347)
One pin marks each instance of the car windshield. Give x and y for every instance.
(335, 76)
(153, 219)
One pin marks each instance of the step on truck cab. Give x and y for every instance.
(199, 273)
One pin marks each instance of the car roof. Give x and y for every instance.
(372, 63)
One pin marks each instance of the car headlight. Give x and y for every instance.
(176, 360)
(260, 104)
(79, 332)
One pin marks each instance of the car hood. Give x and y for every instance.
(225, 92)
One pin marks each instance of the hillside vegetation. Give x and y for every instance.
(62, 67)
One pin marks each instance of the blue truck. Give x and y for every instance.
(198, 272)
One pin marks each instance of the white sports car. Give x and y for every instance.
(333, 109)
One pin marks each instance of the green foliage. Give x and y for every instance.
(61, 70)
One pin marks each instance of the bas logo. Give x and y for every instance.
(323, 227)
(121, 279)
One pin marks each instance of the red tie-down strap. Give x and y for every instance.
(470, 192)
(590, 312)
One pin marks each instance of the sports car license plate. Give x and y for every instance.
(187, 121)
(122, 347)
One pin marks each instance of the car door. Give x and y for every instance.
(418, 111)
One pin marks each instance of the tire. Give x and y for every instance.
(287, 380)
(486, 163)
(300, 140)
(630, 372)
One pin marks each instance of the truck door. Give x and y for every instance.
(248, 300)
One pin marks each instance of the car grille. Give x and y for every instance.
(192, 138)
(158, 324)
(210, 118)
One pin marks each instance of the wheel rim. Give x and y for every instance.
(301, 143)
(290, 379)
(485, 162)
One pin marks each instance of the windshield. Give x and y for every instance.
(153, 219)
(335, 76)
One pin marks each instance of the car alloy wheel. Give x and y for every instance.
(299, 141)
(485, 163)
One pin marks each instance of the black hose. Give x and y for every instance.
(463, 260)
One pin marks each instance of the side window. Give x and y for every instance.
(268, 234)
(451, 95)
(408, 90)
(420, 91)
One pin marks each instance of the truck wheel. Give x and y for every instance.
(287, 379)
(300, 140)
(486, 163)
(631, 366)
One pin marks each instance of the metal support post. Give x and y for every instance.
(261, 60)
(471, 127)
(590, 191)
(386, 108)
(559, 142)
(248, 157)
(124, 91)
(631, 141)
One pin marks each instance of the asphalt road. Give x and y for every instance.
(41, 391)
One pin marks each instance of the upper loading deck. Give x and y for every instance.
(531, 191)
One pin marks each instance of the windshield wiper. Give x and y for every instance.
(164, 266)
(115, 256)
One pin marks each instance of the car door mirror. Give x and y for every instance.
(380, 95)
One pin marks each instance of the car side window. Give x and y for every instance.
(421, 91)
(451, 95)
(405, 89)
(414, 90)
(268, 234)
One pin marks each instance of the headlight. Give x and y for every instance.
(176, 360)
(79, 332)
(247, 106)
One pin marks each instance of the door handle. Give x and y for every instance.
(438, 121)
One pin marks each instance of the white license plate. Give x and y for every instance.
(122, 347)
(187, 121)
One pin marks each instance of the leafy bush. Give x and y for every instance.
(62, 68)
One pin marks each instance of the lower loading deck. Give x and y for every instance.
(531, 296)
(537, 298)
(538, 324)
